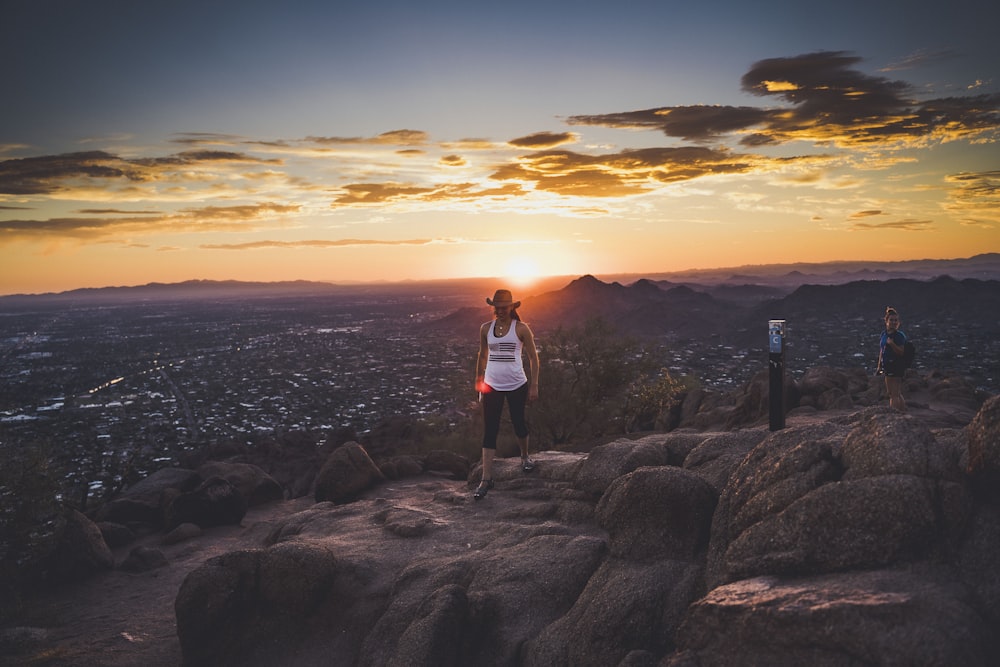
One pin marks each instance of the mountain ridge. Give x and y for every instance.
(985, 266)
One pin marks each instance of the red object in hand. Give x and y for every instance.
(482, 387)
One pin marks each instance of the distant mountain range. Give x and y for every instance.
(789, 276)
(684, 304)
(738, 315)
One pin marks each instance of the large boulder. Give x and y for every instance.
(885, 442)
(864, 523)
(347, 472)
(443, 461)
(523, 587)
(142, 503)
(818, 380)
(253, 483)
(294, 460)
(753, 403)
(859, 618)
(80, 550)
(215, 503)
(427, 621)
(143, 559)
(715, 458)
(955, 390)
(401, 466)
(269, 606)
(627, 606)
(435, 635)
(977, 564)
(714, 410)
(781, 469)
(606, 463)
(661, 512)
(795, 507)
(678, 444)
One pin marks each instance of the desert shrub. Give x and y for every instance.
(651, 401)
(587, 372)
(30, 488)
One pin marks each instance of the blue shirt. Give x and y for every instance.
(887, 357)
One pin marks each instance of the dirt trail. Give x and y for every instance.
(122, 619)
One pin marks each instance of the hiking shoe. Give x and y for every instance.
(483, 489)
(527, 464)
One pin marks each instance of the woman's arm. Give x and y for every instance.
(896, 347)
(482, 357)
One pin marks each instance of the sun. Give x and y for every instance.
(521, 271)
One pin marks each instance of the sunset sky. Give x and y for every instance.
(382, 140)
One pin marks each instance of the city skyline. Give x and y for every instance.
(392, 141)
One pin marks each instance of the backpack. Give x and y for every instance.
(909, 352)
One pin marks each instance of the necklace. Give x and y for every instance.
(501, 329)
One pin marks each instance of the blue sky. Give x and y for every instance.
(391, 140)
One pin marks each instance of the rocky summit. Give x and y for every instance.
(854, 537)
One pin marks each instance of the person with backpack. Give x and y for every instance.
(892, 359)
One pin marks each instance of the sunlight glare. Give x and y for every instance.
(522, 271)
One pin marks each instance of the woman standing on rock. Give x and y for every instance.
(500, 377)
(890, 359)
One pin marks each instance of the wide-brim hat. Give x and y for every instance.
(503, 297)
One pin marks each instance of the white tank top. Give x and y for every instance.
(504, 368)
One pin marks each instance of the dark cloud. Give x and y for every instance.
(203, 219)
(919, 59)
(206, 139)
(544, 140)
(43, 175)
(114, 211)
(195, 158)
(394, 137)
(49, 174)
(11, 230)
(865, 214)
(827, 101)
(694, 123)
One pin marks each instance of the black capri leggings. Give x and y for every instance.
(493, 408)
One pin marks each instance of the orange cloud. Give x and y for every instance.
(619, 174)
(975, 194)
